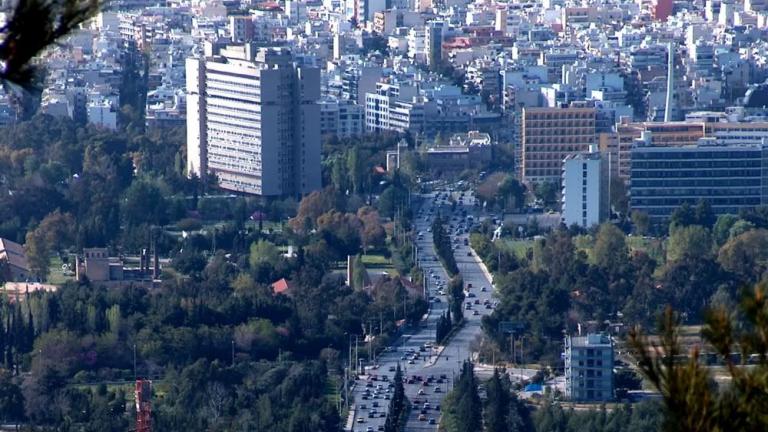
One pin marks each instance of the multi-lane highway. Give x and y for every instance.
(420, 361)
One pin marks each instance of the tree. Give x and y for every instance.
(373, 234)
(746, 255)
(512, 193)
(619, 195)
(703, 214)
(689, 241)
(722, 228)
(38, 254)
(263, 252)
(692, 402)
(641, 222)
(462, 406)
(610, 251)
(547, 192)
(144, 203)
(683, 216)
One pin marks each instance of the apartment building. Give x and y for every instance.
(253, 120)
(729, 177)
(585, 200)
(589, 368)
(341, 118)
(551, 134)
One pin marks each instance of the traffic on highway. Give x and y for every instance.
(429, 369)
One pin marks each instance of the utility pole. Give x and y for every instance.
(233, 354)
(134, 362)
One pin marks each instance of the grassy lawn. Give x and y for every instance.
(518, 247)
(652, 246)
(55, 275)
(376, 261)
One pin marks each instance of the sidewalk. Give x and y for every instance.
(433, 359)
(483, 268)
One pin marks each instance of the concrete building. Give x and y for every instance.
(729, 177)
(585, 194)
(253, 120)
(464, 151)
(434, 43)
(343, 119)
(589, 368)
(102, 113)
(551, 134)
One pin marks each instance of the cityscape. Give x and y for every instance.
(384, 215)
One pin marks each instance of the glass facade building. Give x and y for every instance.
(729, 177)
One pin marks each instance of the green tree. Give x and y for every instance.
(38, 254)
(610, 251)
(746, 255)
(641, 222)
(263, 252)
(462, 406)
(144, 203)
(722, 228)
(689, 241)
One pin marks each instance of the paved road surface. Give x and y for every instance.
(439, 361)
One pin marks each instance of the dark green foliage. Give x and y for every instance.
(443, 246)
(397, 412)
(503, 411)
(462, 409)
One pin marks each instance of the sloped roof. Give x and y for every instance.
(13, 253)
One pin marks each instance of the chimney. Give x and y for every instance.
(670, 82)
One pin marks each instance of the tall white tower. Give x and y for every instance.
(670, 83)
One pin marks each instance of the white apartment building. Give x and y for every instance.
(585, 189)
(253, 120)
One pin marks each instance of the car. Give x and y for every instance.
(375, 404)
(426, 405)
(380, 428)
(422, 417)
(477, 301)
(475, 312)
(369, 429)
(483, 289)
(469, 285)
(372, 414)
(360, 420)
(469, 253)
(392, 369)
(438, 390)
(411, 361)
(422, 392)
(423, 411)
(363, 406)
(488, 306)
(471, 294)
(431, 421)
(382, 414)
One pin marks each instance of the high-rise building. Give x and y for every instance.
(434, 43)
(253, 120)
(551, 134)
(585, 196)
(729, 177)
(589, 367)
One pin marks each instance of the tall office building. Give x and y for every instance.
(551, 134)
(589, 367)
(253, 120)
(729, 177)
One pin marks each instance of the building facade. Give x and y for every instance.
(729, 177)
(585, 195)
(551, 134)
(253, 120)
(589, 368)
